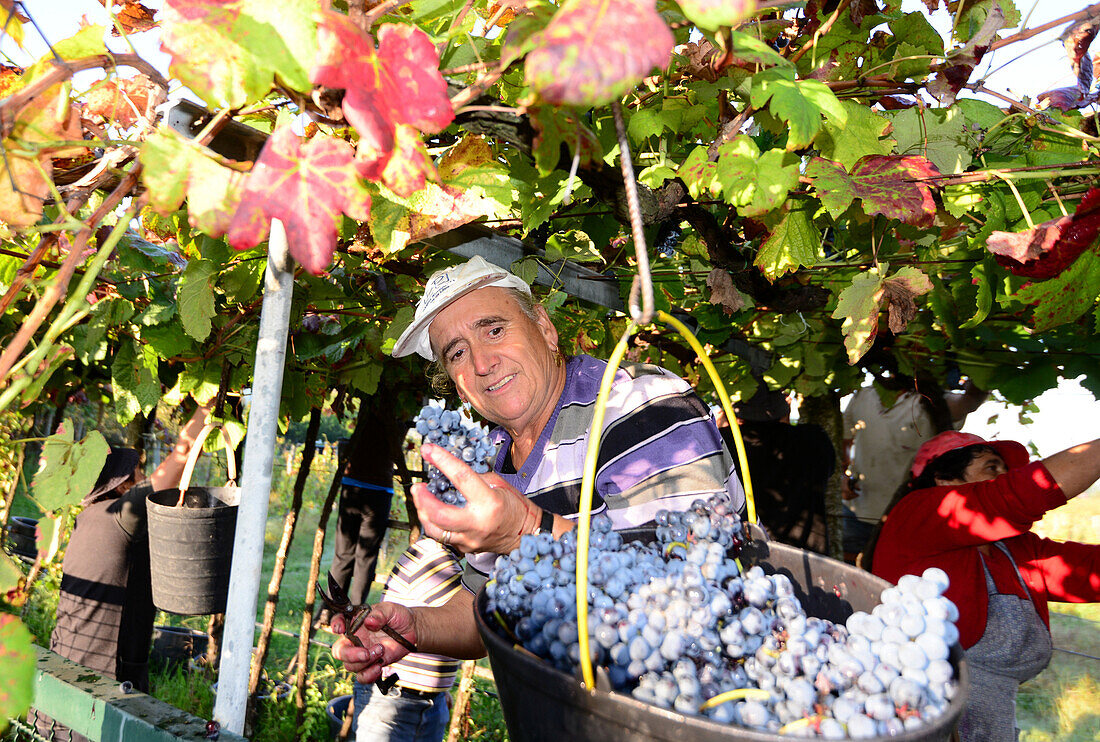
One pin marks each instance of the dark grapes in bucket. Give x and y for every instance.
(684, 625)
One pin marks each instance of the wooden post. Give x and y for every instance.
(461, 710)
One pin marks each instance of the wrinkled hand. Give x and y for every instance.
(378, 649)
(495, 514)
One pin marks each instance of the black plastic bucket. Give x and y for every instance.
(541, 703)
(191, 548)
(21, 536)
(175, 647)
(337, 709)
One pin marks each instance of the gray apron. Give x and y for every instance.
(1015, 647)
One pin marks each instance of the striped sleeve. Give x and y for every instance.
(427, 574)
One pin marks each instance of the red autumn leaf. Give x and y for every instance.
(11, 79)
(25, 177)
(594, 51)
(1077, 39)
(121, 102)
(889, 185)
(410, 167)
(397, 83)
(131, 15)
(956, 68)
(1047, 249)
(306, 185)
(860, 9)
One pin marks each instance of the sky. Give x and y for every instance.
(1067, 415)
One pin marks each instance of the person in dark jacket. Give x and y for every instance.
(105, 610)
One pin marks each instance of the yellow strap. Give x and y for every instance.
(588, 482)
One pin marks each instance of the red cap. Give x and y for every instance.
(1014, 454)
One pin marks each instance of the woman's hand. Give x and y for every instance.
(494, 518)
(378, 649)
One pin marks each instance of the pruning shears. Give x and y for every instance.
(337, 601)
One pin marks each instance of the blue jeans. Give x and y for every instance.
(399, 719)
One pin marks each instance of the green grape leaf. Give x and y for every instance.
(91, 345)
(241, 281)
(594, 51)
(168, 340)
(748, 48)
(160, 310)
(697, 172)
(890, 186)
(10, 574)
(231, 52)
(973, 14)
(307, 186)
(961, 198)
(176, 168)
(943, 135)
(134, 380)
(917, 38)
(862, 133)
(801, 103)
(1020, 386)
(858, 307)
(572, 245)
(712, 14)
(980, 278)
(397, 83)
(70, 469)
(363, 376)
(755, 183)
(655, 175)
(794, 243)
(1065, 297)
(648, 122)
(555, 127)
(18, 657)
(195, 297)
(201, 380)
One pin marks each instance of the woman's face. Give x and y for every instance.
(984, 466)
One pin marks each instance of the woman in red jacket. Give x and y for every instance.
(968, 509)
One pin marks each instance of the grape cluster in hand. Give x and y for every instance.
(467, 441)
(679, 624)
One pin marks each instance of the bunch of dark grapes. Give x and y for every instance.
(668, 237)
(681, 625)
(466, 440)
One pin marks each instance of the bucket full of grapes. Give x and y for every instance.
(689, 641)
(692, 629)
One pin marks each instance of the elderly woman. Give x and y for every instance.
(968, 509)
(660, 447)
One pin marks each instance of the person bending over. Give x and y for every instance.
(968, 509)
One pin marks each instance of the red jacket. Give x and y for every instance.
(944, 526)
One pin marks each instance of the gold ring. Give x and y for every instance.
(445, 537)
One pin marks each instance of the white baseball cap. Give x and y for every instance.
(444, 287)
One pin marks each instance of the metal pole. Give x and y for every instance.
(259, 452)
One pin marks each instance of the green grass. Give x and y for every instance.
(1060, 703)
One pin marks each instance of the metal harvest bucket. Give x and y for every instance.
(191, 531)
